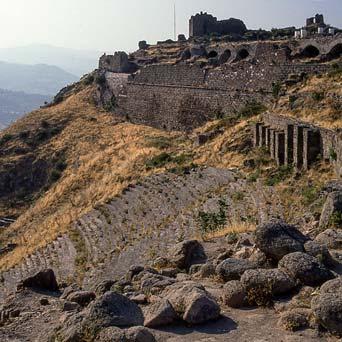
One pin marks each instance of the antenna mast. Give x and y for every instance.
(174, 21)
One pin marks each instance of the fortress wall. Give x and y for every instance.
(181, 108)
(185, 75)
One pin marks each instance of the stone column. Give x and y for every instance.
(298, 148)
(289, 145)
(256, 132)
(311, 147)
(268, 138)
(272, 143)
(280, 148)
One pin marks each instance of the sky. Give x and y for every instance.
(110, 25)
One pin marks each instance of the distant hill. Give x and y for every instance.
(14, 105)
(77, 62)
(34, 79)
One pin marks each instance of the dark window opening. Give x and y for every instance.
(224, 58)
(212, 54)
(310, 52)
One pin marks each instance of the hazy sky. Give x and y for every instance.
(108, 25)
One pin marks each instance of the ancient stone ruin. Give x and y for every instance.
(293, 142)
(205, 24)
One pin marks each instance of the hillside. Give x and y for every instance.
(34, 79)
(14, 105)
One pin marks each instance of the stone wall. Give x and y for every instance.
(294, 142)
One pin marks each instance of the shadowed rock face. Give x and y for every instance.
(277, 239)
(44, 280)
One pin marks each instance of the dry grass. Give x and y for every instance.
(237, 227)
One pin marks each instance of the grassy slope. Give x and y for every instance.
(104, 155)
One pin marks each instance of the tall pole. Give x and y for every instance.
(174, 21)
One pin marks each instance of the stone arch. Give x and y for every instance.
(310, 51)
(241, 55)
(335, 52)
(212, 54)
(225, 56)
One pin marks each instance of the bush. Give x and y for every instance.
(276, 88)
(24, 135)
(111, 104)
(317, 96)
(44, 124)
(211, 222)
(5, 138)
(250, 109)
(100, 79)
(89, 80)
(279, 175)
(159, 161)
(55, 175)
(332, 154)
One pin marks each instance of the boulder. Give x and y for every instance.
(139, 299)
(327, 306)
(133, 271)
(234, 294)
(295, 319)
(275, 281)
(43, 280)
(113, 309)
(154, 283)
(332, 208)
(305, 268)
(187, 253)
(160, 314)
(139, 334)
(111, 334)
(192, 302)
(103, 287)
(70, 306)
(71, 288)
(319, 251)
(276, 239)
(82, 298)
(70, 330)
(332, 238)
(232, 269)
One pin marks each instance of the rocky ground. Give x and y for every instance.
(276, 284)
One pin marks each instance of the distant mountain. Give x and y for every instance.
(77, 62)
(34, 79)
(14, 104)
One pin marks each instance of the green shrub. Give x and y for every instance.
(44, 124)
(89, 80)
(336, 220)
(310, 194)
(100, 79)
(5, 138)
(24, 135)
(252, 178)
(55, 175)
(279, 175)
(317, 96)
(332, 154)
(211, 222)
(111, 104)
(276, 88)
(159, 161)
(250, 109)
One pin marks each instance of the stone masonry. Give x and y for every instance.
(293, 142)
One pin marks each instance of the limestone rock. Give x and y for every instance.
(187, 253)
(234, 294)
(332, 206)
(275, 281)
(307, 269)
(327, 306)
(232, 269)
(160, 314)
(332, 238)
(192, 302)
(43, 280)
(82, 298)
(113, 309)
(276, 239)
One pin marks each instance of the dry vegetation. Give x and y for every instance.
(104, 155)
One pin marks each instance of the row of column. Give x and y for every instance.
(297, 145)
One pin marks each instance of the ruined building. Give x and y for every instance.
(204, 24)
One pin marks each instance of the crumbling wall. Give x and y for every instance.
(298, 143)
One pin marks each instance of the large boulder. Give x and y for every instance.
(276, 239)
(43, 280)
(332, 209)
(234, 294)
(192, 302)
(332, 238)
(113, 309)
(187, 253)
(135, 334)
(154, 283)
(160, 314)
(232, 269)
(327, 306)
(305, 268)
(275, 281)
(295, 319)
(82, 298)
(319, 251)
